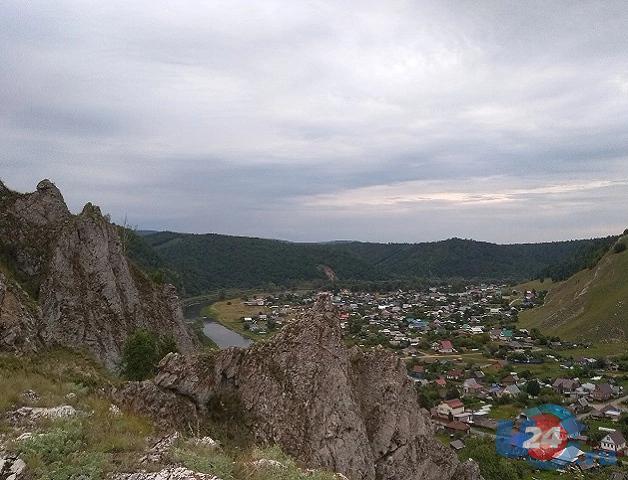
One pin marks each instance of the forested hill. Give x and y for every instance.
(202, 263)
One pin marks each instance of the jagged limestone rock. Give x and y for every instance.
(19, 319)
(90, 295)
(169, 410)
(344, 410)
(34, 414)
(170, 473)
(11, 467)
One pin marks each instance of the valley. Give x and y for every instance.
(246, 383)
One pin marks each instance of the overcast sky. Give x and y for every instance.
(320, 120)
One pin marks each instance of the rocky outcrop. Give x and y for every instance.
(34, 414)
(93, 297)
(89, 295)
(19, 319)
(11, 467)
(344, 410)
(169, 409)
(170, 473)
(28, 226)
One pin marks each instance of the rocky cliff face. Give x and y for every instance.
(19, 319)
(345, 410)
(89, 295)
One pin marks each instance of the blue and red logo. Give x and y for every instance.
(548, 437)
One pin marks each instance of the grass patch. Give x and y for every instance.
(52, 374)
(505, 412)
(289, 470)
(92, 443)
(205, 460)
(597, 350)
(549, 369)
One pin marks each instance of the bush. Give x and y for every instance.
(619, 247)
(142, 352)
(59, 454)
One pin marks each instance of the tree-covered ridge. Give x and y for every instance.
(587, 255)
(201, 263)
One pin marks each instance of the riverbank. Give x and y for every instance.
(229, 313)
(207, 342)
(212, 333)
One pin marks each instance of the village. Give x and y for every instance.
(471, 363)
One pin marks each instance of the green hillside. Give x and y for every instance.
(202, 263)
(591, 305)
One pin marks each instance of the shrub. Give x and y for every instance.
(142, 352)
(533, 388)
(619, 247)
(59, 454)
(140, 355)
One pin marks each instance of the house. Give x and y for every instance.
(511, 391)
(471, 387)
(569, 455)
(501, 363)
(566, 386)
(457, 427)
(440, 382)
(445, 346)
(613, 442)
(612, 412)
(453, 407)
(505, 334)
(510, 379)
(455, 374)
(579, 406)
(495, 390)
(494, 333)
(482, 421)
(602, 392)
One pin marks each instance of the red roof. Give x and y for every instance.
(446, 345)
(455, 403)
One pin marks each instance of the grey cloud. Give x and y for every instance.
(225, 115)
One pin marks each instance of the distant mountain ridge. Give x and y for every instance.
(206, 262)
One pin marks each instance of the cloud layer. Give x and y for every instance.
(319, 120)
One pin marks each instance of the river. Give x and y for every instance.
(221, 335)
